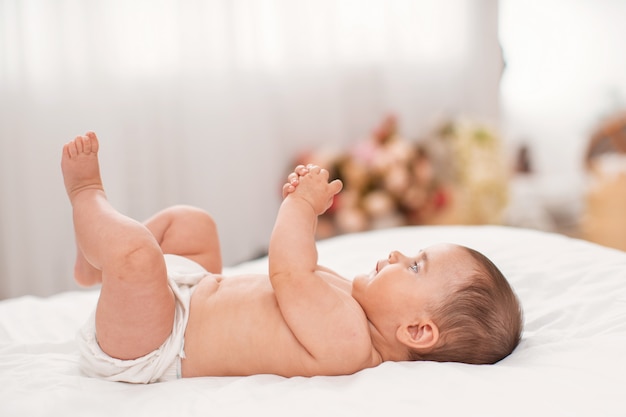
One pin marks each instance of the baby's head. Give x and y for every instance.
(448, 304)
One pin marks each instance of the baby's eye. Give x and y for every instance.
(415, 267)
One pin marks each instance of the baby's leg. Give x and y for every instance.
(190, 232)
(135, 312)
(180, 230)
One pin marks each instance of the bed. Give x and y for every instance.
(571, 361)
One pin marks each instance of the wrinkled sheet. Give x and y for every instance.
(571, 361)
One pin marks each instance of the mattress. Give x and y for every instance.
(571, 360)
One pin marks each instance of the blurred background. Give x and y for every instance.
(431, 111)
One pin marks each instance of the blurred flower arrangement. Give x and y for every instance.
(389, 181)
(469, 157)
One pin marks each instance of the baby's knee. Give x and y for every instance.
(134, 257)
(141, 255)
(184, 210)
(194, 216)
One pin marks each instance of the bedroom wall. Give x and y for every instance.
(565, 73)
(207, 102)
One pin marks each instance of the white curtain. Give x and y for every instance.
(207, 102)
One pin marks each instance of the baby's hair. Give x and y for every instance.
(480, 322)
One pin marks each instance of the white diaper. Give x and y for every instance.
(162, 364)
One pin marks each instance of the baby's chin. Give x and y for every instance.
(362, 279)
(360, 284)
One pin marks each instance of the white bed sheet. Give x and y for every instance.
(572, 359)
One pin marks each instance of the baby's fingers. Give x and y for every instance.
(314, 169)
(292, 178)
(288, 189)
(298, 172)
(301, 170)
(335, 186)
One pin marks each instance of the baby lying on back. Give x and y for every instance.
(165, 311)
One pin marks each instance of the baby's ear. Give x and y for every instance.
(423, 335)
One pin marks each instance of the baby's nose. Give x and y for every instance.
(394, 256)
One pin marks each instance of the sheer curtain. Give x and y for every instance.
(207, 102)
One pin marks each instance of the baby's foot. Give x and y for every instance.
(81, 172)
(79, 163)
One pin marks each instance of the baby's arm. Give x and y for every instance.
(307, 195)
(316, 312)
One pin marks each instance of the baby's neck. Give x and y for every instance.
(386, 347)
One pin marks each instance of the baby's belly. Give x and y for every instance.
(207, 287)
(236, 328)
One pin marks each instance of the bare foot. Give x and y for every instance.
(81, 171)
(79, 163)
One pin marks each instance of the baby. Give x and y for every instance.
(166, 312)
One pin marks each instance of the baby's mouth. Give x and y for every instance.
(379, 265)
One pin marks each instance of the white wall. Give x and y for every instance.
(565, 72)
(207, 102)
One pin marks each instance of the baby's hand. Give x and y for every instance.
(315, 189)
(293, 179)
